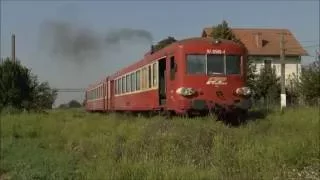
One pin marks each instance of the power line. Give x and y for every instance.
(70, 89)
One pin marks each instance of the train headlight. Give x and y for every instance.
(243, 91)
(185, 91)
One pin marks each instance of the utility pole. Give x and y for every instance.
(282, 60)
(13, 48)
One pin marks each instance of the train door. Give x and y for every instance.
(162, 81)
(106, 96)
(171, 79)
(110, 94)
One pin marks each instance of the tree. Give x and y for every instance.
(74, 104)
(15, 84)
(223, 31)
(164, 42)
(308, 85)
(20, 89)
(63, 106)
(266, 85)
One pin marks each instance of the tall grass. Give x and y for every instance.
(72, 144)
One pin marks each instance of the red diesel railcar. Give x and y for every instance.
(193, 75)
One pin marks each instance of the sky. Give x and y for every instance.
(107, 35)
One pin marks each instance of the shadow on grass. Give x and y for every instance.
(258, 114)
(237, 120)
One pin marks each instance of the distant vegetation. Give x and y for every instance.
(70, 104)
(72, 144)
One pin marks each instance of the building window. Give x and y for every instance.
(267, 64)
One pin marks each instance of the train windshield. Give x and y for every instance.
(213, 64)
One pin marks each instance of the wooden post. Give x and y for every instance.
(282, 60)
(13, 39)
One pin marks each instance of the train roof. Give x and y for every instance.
(161, 52)
(97, 83)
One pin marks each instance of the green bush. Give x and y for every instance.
(20, 89)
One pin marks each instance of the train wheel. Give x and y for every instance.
(238, 116)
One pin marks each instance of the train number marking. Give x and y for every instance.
(216, 51)
(217, 81)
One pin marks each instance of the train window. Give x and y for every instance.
(215, 64)
(173, 68)
(133, 82)
(123, 84)
(196, 64)
(143, 78)
(138, 80)
(116, 87)
(120, 85)
(128, 85)
(154, 74)
(233, 64)
(149, 77)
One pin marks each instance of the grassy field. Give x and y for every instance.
(72, 144)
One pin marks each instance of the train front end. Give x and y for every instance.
(214, 79)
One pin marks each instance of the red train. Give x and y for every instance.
(190, 76)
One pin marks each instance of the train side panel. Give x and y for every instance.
(141, 101)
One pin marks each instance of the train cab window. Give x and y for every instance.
(196, 64)
(215, 64)
(173, 68)
(233, 64)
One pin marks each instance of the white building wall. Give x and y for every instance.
(292, 66)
